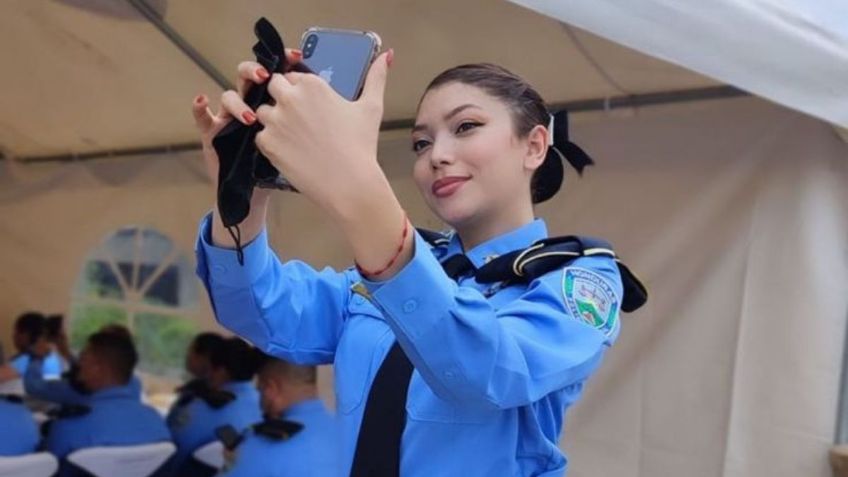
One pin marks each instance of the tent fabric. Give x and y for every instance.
(95, 75)
(794, 52)
(733, 212)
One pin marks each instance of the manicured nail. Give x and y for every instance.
(248, 117)
(390, 56)
(262, 73)
(199, 99)
(297, 54)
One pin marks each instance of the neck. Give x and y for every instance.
(482, 228)
(296, 397)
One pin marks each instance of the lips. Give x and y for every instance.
(446, 186)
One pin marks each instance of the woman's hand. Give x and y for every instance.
(210, 124)
(325, 145)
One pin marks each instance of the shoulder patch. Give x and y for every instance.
(589, 298)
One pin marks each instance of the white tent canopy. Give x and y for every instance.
(793, 52)
(733, 211)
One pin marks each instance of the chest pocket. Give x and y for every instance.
(357, 356)
(423, 405)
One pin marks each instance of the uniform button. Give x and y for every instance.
(219, 269)
(410, 305)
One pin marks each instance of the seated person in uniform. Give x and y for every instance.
(113, 414)
(31, 330)
(231, 399)
(68, 389)
(298, 435)
(20, 434)
(199, 366)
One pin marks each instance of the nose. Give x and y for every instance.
(441, 153)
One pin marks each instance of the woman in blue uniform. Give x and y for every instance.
(437, 371)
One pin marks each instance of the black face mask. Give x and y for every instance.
(242, 166)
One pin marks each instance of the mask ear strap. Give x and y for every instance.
(559, 140)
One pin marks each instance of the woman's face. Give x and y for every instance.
(471, 167)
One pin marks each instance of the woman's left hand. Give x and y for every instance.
(321, 142)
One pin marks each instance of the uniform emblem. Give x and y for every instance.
(590, 298)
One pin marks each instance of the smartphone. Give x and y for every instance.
(228, 436)
(340, 57)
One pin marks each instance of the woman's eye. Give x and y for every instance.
(467, 126)
(420, 145)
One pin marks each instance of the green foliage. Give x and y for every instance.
(162, 342)
(88, 319)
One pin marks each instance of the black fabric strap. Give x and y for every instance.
(378, 445)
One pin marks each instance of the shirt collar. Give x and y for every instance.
(309, 406)
(516, 239)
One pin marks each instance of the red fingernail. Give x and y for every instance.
(390, 56)
(199, 99)
(248, 117)
(297, 54)
(262, 73)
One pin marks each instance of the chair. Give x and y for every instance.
(41, 464)
(211, 454)
(125, 461)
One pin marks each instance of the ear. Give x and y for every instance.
(536, 147)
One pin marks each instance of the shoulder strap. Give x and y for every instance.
(436, 239)
(12, 398)
(546, 255)
(277, 429)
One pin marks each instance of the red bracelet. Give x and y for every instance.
(394, 258)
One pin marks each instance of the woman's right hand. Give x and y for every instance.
(210, 124)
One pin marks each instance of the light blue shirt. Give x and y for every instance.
(493, 376)
(51, 367)
(194, 424)
(20, 433)
(312, 452)
(117, 418)
(60, 391)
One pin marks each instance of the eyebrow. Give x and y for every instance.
(447, 117)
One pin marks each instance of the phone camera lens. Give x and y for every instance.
(309, 47)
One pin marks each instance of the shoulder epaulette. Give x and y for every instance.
(277, 429)
(69, 410)
(547, 255)
(12, 398)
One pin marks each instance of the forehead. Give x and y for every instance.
(441, 100)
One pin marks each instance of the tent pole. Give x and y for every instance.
(153, 16)
(581, 106)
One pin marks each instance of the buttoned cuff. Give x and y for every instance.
(220, 265)
(417, 296)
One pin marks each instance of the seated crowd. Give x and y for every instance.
(261, 415)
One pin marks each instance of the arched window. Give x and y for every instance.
(138, 278)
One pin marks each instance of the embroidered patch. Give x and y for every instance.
(590, 298)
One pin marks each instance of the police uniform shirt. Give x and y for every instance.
(116, 418)
(494, 370)
(51, 367)
(20, 433)
(312, 452)
(194, 424)
(60, 391)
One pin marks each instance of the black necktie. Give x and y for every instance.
(378, 446)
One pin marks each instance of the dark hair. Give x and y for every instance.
(115, 350)
(116, 328)
(204, 343)
(290, 371)
(239, 359)
(526, 104)
(32, 323)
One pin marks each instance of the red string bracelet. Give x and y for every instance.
(374, 273)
